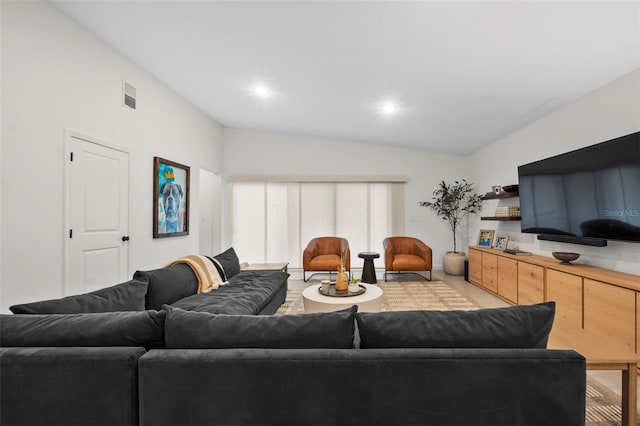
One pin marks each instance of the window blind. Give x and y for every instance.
(272, 221)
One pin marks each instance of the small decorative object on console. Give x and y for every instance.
(501, 242)
(510, 188)
(517, 252)
(565, 257)
(496, 189)
(485, 237)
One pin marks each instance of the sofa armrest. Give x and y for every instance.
(69, 386)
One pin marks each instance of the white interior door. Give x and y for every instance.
(210, 213)
(98, 215)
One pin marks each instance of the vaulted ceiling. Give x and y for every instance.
(438, 75)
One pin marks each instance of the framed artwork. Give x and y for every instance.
(501, 242)
(485, 237)
(170, 198)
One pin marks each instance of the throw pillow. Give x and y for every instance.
(128, 296)
(216, 263)
(229, 262)
(168, 285)
(145, 328)
(200, 330)
(512, 327)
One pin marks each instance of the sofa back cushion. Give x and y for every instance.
(167, 285)
(512, 327)
(202, 330)
(145, 328)
(128, 296)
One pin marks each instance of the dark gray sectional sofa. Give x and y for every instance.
(207, 360)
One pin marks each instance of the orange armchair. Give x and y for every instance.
(324, 253)
(406, 254)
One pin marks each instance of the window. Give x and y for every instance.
(272, 221)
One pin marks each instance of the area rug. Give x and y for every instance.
(398, 296)
(603, 405)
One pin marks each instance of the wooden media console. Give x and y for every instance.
(597, 310)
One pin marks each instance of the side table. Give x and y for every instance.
(368, 269)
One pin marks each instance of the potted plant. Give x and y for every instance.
(354, 287)
(452, 202)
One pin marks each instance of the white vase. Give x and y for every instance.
(453, 263)
(354, 288)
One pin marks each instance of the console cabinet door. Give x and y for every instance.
(490, 271)
(475, 266)
(508, 279)
(611, 311)
(530, 283)
(566, 290)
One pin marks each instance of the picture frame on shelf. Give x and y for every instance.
(170, 198)
(485, 237)
(496, 189)
(501, 242)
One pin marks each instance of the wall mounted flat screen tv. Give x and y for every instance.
(587, 196)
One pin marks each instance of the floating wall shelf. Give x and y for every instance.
(498, 196)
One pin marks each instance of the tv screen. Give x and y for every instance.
(585, 195)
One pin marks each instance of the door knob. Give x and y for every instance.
(125, 238)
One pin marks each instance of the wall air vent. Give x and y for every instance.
(129, 95)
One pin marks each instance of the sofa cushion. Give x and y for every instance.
(166, 285)
(245, 294)
(144, 328)
(69, 386)
(512, 327)
(201, 330)
(129, 296)
(229, 262)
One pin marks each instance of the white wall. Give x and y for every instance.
(258, 153)
(56, 76)
(609, 112)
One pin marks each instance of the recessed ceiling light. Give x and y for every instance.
(389, 108)
(262, 91)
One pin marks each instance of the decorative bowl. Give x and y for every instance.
(565, 257)
(510, 188)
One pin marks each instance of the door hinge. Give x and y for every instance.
(70, 233)
(71, 156)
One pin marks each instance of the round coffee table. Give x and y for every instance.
(369, 301)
